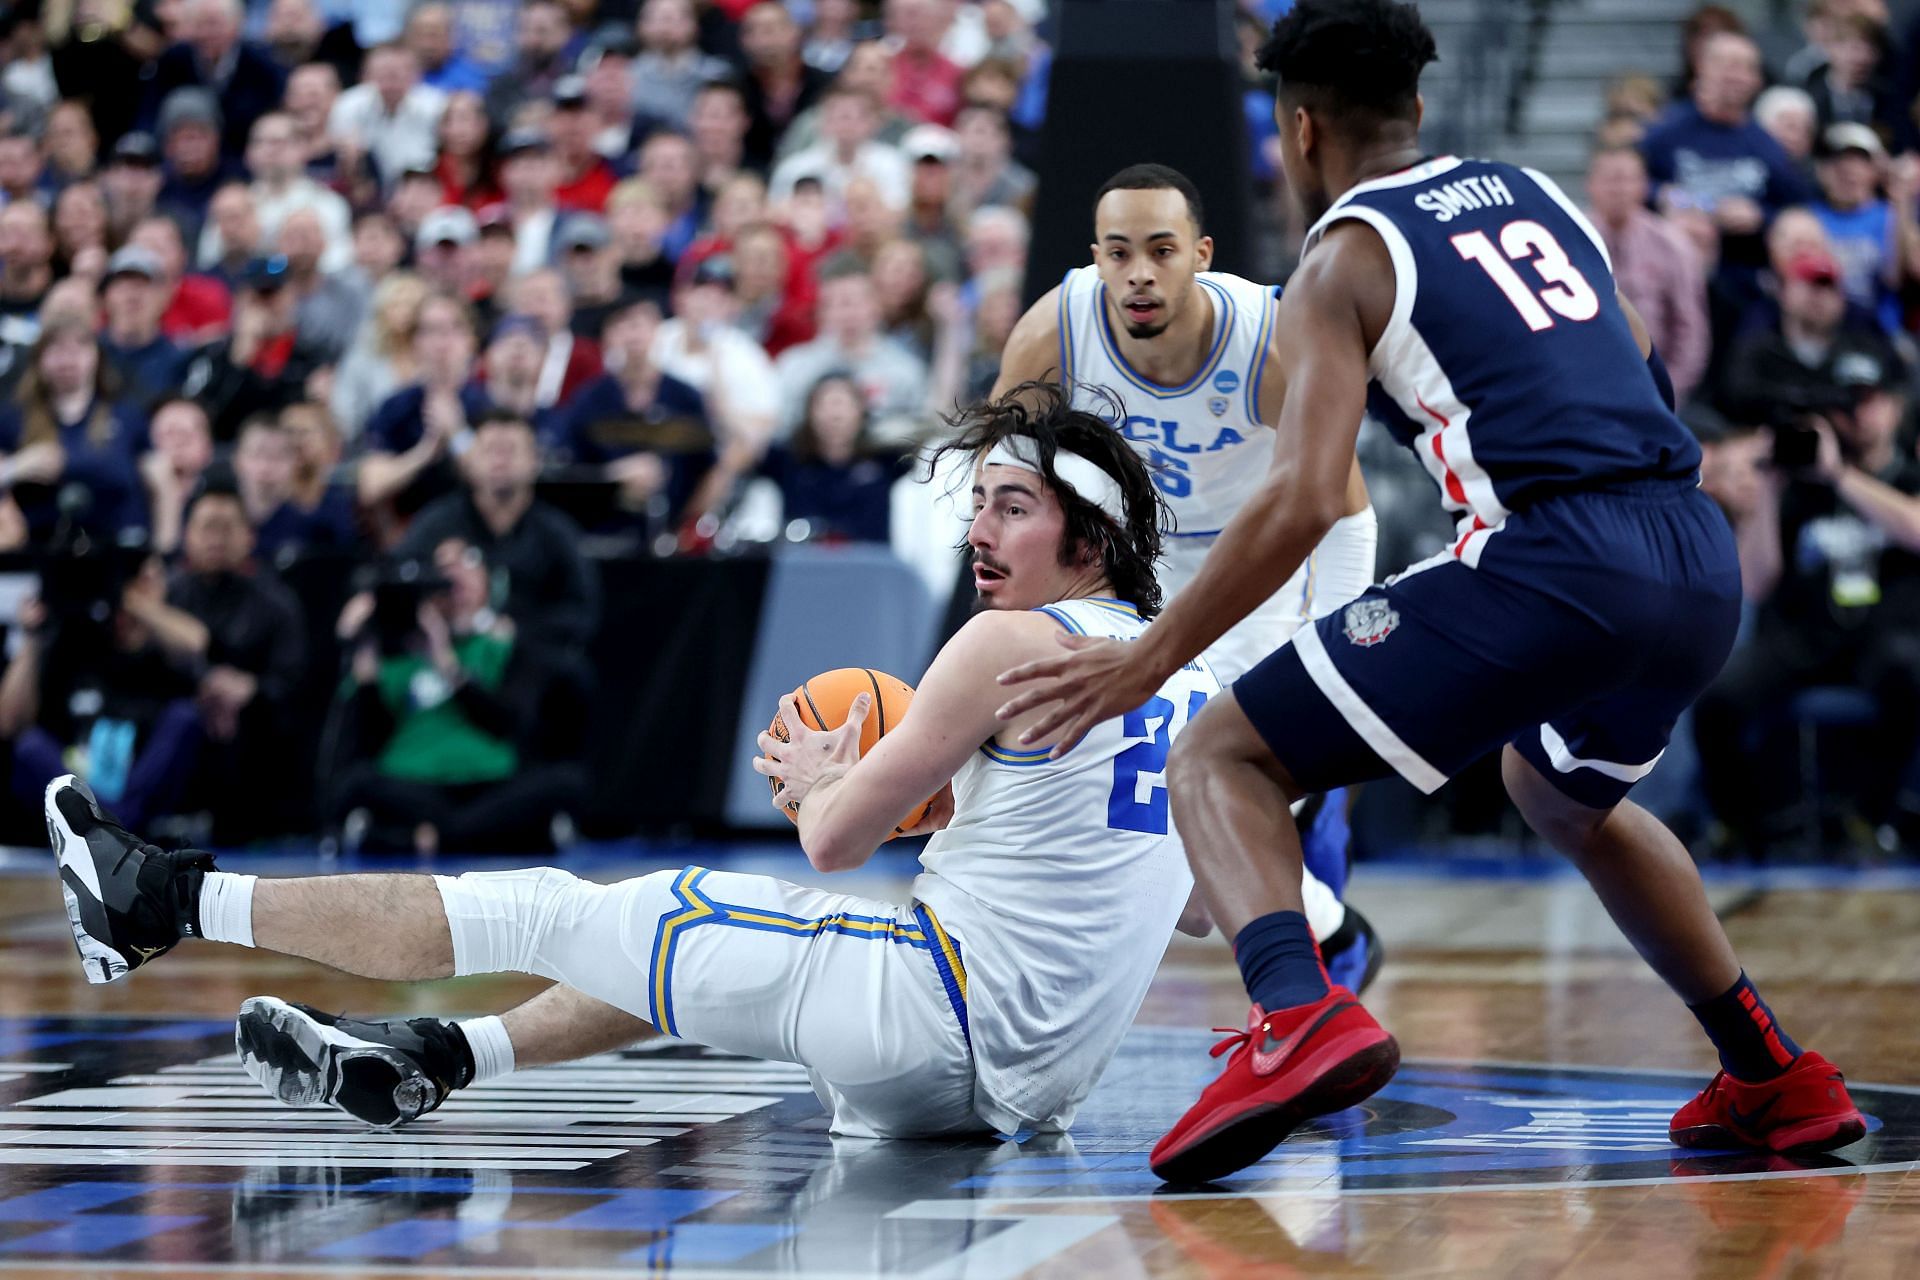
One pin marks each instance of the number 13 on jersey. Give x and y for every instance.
(1567, 292)
(1152, 722)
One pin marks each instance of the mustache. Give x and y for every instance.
(988, 562)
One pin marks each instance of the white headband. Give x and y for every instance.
(1085, 478)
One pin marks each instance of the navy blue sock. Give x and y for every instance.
(1752, 1045)
(1279, 961)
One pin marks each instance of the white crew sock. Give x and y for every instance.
(492, 1047)
(226, 907)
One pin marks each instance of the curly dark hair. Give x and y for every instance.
(1043, 411)
(1351, 59)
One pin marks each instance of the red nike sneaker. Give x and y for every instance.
(1804, 1109)
(1286, 1068)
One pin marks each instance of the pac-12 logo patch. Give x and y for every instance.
(1368, 622)
(1226, 382)
(1219, 406)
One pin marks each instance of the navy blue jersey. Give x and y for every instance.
(1507, 366)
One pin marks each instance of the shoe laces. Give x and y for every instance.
(1235, 1037)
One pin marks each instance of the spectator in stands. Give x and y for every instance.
(436, 719)
(985, 172)
(586, 177)
(492, 264)
(328, 309)
(1851, 86)
(868, 220)
(837, 31)
(530, 175)
(26, 270)
(1789, 117)
(847, 149)
(592, 273)
(79, 224)
(568, 362)
(68, 427)
(195, 168)
(277, 158)
(1842, 606)
(232, 231)
(409, 439)
(295, 34)
(263, 366)
(868, 72)
(443, 248)
(892, 379)
(150, 364)
(901, 281)
(929, 220)
(637, 222)
(131, 183)
(649, 430)
(315, 439)
(118, 692)
(238, 75)
(429, 34)
(702, 347)
(1876, 241)
(378, 248)
(543, 580)
(247, 662)
(390, 116)
(741, 200)
(1810, 360)
(1702, 25)
(1707, 153)
(418, 193)
(23, 168)
(671, 167)
(926, 84)
(608, 68)
(264, 460)
(540, 37)
(718, 124)
(1652, 264)
(466, 166)
(312, 91)
(172, 471)
(831, 474)
(779, 84)
(996, 240)
(380, 361)
(772, 307)
(71, 143)
(671, 67)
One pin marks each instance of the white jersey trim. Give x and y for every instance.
(1374, 731)
(1404, 178)
(1566, 762)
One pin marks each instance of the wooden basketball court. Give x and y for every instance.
(1524, 1137)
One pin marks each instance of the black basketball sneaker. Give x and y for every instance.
(385, 1073)
(128, 901)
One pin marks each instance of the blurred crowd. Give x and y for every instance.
(334, 335)
(1761, 215)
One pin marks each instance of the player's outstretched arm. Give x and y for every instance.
(849, 803)
(1032, 352)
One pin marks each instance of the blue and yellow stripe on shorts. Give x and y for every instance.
(698, 908)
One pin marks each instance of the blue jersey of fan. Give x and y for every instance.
(1507, 364)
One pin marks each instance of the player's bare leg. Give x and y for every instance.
(1309, 1048)
(391, 927)
(561, 1025)
(1643, 875)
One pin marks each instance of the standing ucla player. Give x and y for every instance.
(1592, 593)
(1188, 355)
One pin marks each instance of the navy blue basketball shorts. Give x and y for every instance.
(1590, 622)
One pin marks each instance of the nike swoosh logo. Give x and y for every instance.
(1269, 1054)
(1748, 1119)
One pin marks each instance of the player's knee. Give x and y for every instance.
(1555, 817)
(1217, 742)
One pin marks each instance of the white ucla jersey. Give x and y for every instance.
(1063, 880)
(1209, 450)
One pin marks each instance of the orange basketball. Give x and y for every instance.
(823, 703)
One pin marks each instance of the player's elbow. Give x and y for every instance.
(1294, 506)
(831, 848)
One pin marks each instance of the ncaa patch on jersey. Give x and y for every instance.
(1368, 622)
(1226, 382)
(1219, 405)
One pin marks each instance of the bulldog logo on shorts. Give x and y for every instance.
(1369, 622)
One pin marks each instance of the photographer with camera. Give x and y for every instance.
(1839, 604)
(439, 698)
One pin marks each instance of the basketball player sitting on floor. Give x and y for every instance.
(991, 999)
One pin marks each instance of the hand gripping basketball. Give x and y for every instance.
(822, 703)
